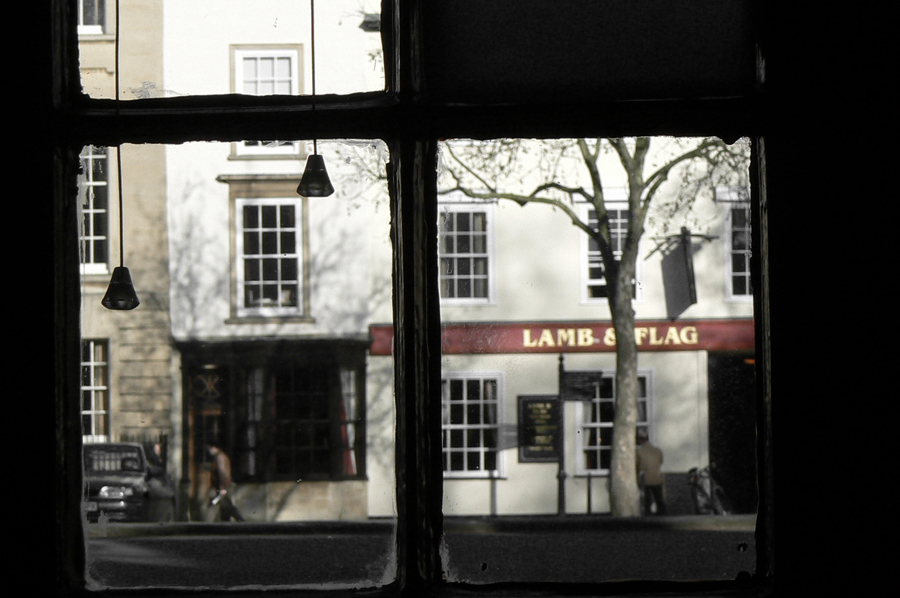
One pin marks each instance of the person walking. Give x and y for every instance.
(221, 507)
(649, 464)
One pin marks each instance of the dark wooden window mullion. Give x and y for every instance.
(412, 176)
(417, 354)
(759, 272)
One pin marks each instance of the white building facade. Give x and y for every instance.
(271, 290)
(529, 353)
(281, 309)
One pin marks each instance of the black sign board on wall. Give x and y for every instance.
(540, 434)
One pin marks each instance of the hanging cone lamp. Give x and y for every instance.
(120, 295)
(315, 181)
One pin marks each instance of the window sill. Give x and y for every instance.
(472, 475)
(95, 36)
(295, 156)
(468, 302)
(270, 320)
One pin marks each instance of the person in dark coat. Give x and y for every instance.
(222, 508)
(649, 463)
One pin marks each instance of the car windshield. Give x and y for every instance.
(117, 458)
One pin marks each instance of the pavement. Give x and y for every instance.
(452, 524)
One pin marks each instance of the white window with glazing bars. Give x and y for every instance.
(471, 405)
(269, 254)
(94, 391)
(94, 191)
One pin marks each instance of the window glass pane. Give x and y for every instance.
(465, 252)
(535, 366)
(91, 17)
(216, 47)
(93, 193)
(265, 329)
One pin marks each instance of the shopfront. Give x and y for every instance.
(291, 416)
(528, 406)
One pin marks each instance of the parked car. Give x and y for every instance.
(126, 482)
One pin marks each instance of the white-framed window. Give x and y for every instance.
(595, 418)
(471, 407)
(94, 390)
(91, 17)
(261, 72)
(594, 284)
(466, 252)
(269, 257)
(94, 190)
(737, 242)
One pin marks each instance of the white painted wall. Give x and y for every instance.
(679, 412)
(540, 254)
(539, 259)
(198, 34)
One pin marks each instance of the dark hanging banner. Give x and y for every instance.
(540, 437)
(678, 274)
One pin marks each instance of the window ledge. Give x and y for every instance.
(470, 475)
(271, 320)
(91, 36)
(468, 302)
(295, 156)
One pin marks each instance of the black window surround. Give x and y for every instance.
(411, 115)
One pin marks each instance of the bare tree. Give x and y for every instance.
(547, 172)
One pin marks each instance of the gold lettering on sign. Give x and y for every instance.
(609, 337)
(672, 336)
(584, 337)
(546, 339)
(689, 335)
(565, 336)
(639, 334)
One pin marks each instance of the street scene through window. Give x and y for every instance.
(597, 391)
(536, 383)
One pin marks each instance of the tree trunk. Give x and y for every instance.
(624, 493)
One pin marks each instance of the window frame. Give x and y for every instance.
(499, 378)
(263, 188)
(615, 200)
(448, 206)
(286, 149)
(301, 309)
(581, 468)
(86, 184)
(332, 426)
(98, 28)
(92, 366)
(732, 199)
(413, 146)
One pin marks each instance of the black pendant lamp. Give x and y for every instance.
(315, 181)
(120, 295)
